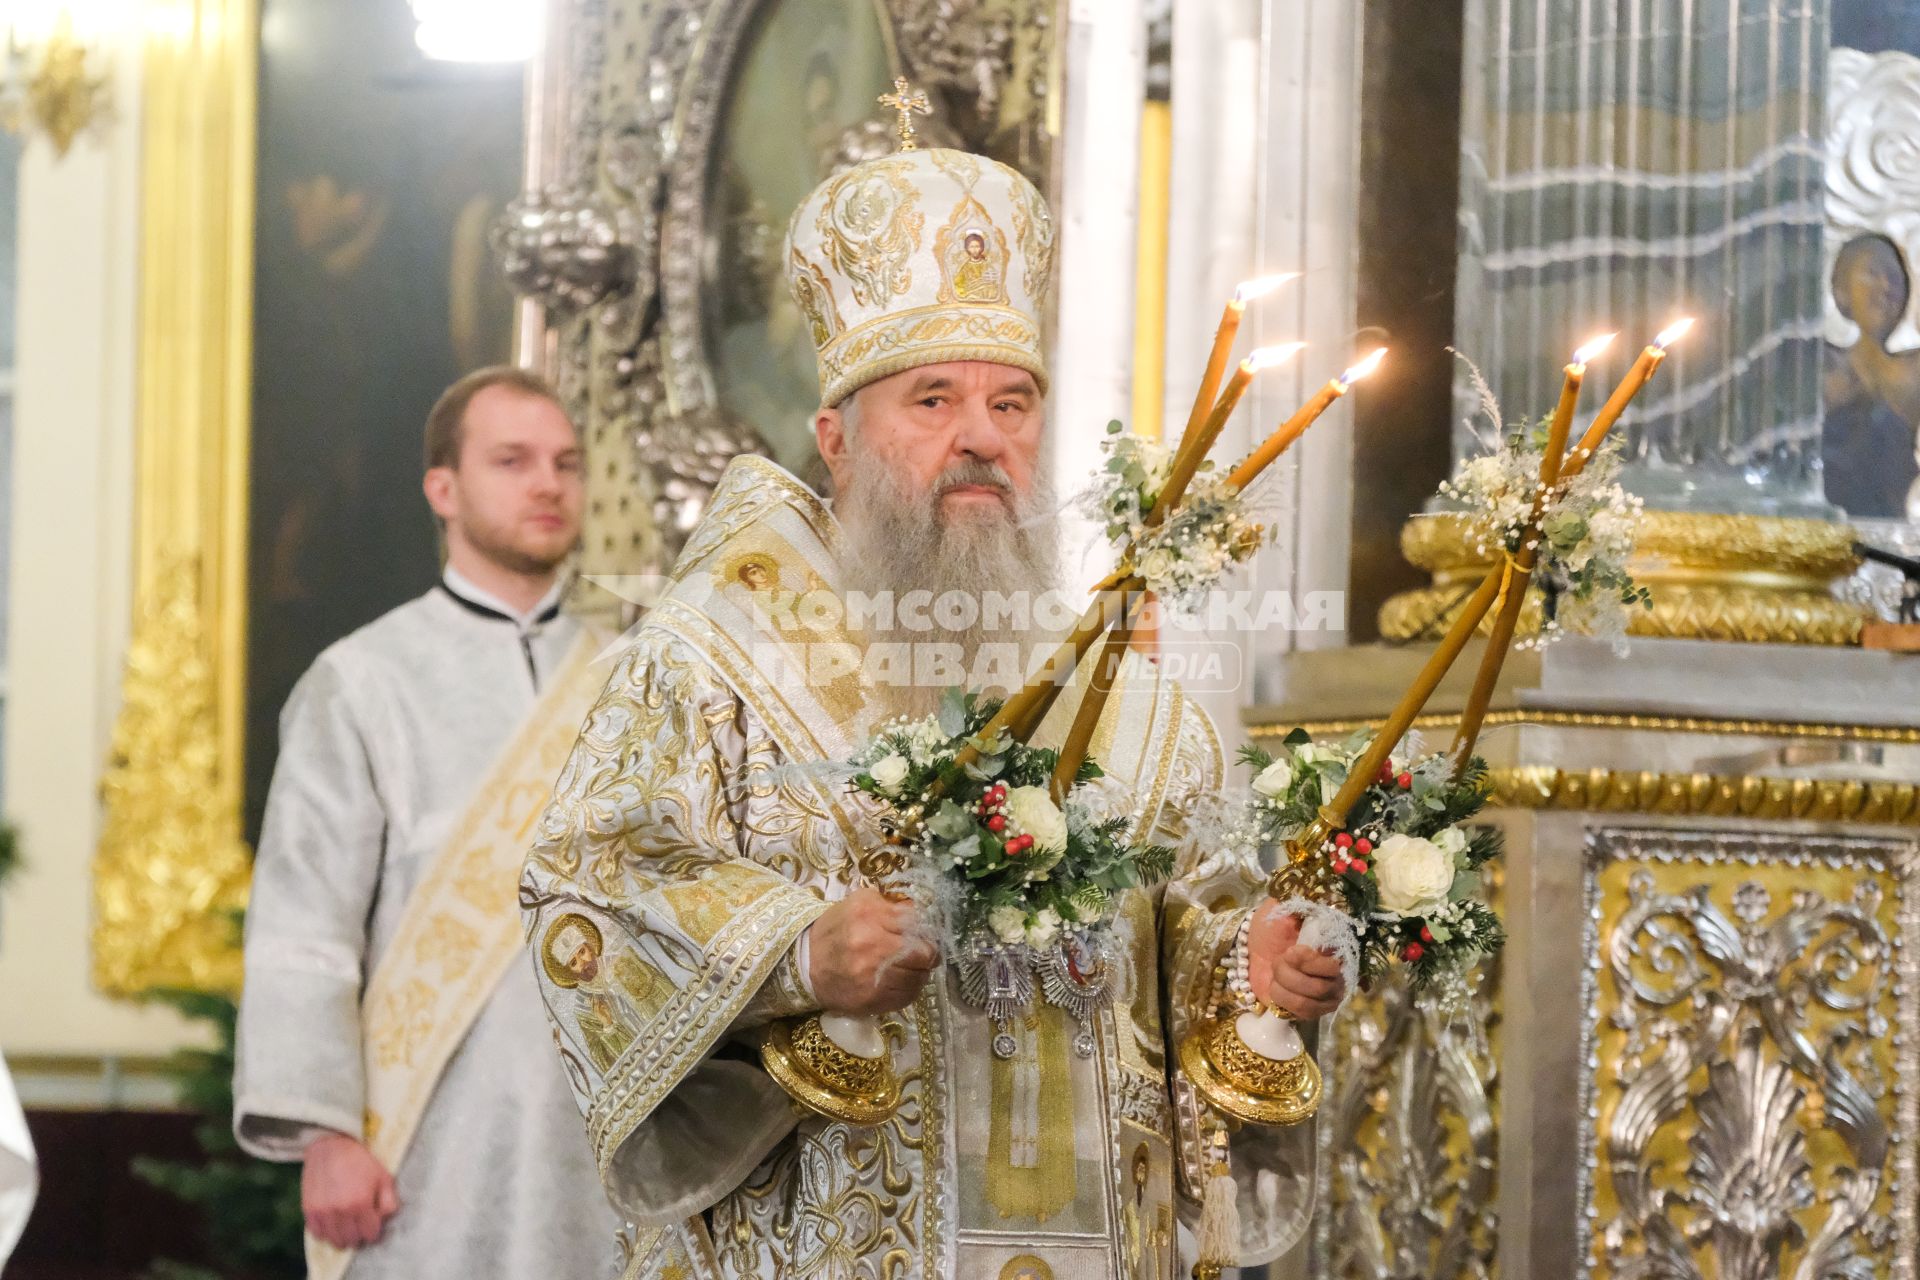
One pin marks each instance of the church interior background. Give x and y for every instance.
(243, 243)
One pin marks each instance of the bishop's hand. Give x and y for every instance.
(865, 956)
(1304, 982)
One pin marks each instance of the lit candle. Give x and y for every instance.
(1563, 413)
(1500, 635)
(1637, 377)
(1194, 445)
(1293, 428)
(1223, 338)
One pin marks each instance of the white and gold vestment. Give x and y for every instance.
(377, 1003)
(694, 836)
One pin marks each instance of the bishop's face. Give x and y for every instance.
(966, 433)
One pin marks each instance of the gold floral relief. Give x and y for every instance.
(813, 293)
(170, 862)
(1033, 228)
(870, 228)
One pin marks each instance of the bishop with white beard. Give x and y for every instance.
(700, 866)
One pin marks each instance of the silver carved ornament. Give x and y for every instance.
(564, 248)
(1403, 1198)
(1873, 172)
(1782, 1013)
(621, 254)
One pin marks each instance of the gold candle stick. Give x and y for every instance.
(1367, 767)
(1086, 718)
(1500, 637)
(1293, 428)
(1022, 713)
(1215, 1055)
(1223, 337)
(1637, 377)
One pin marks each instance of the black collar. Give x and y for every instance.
(545, 616)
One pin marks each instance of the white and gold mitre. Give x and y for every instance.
(919, 258)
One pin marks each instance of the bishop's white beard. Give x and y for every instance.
(901, 540)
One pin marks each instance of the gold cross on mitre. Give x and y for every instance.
(906, 100)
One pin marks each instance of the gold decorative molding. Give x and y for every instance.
(1894, 734)
(1701, 795)
(1758, 579)
(171, 863)
(170, 857)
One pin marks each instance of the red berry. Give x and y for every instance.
(1359, 867)
(1386, 773)
(1406, 782)
(1341, 865)
(1019, 845)
(1413, 952)
(1426, 934)
(998, 822)
(1363, 846)
(1343, 840)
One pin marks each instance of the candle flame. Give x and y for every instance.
(1362, 369)
(1672, 333)
(1593, 348)
(1267, 357)
(1248, 290)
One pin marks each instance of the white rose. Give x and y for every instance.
(1414, 874)
(1044, 929)
(1009, 924)
(1275, 780)
(1158, 565)
(1452, 842)
(889, 772)
(1032, 812)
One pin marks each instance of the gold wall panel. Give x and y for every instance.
(171, 862)
(1750, 1078)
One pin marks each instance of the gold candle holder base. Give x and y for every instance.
(825, 1078)
(1248, 1086)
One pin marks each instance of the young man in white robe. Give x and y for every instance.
(703, 849)
(384, 1038)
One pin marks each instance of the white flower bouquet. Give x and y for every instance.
(1015, 883)
(1586, 524)
(1185, 555)
(1408, 870)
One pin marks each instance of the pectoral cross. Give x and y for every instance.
(906, 100)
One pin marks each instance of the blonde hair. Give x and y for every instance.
(446, 421)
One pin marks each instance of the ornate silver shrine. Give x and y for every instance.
(676, 138)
